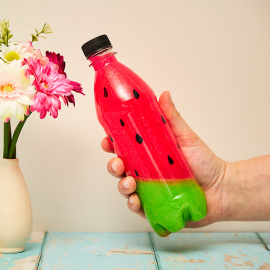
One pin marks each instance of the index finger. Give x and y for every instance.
(106, 146)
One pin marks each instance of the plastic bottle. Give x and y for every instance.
(129, 112)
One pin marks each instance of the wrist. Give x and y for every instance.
(246, 187)
(230, 191)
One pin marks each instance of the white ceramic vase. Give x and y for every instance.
(15, 208)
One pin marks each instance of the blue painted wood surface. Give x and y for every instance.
(27, 260)
(131, 251)
(211, 251)
(97, 251)
(266, 239)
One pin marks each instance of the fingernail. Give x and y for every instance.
(170, 97)
(130, 200)
(126, 184)
(114, 166)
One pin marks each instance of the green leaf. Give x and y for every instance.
(5, 31)
(34, 38)
(45, 30)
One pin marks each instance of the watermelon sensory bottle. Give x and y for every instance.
(129, 112)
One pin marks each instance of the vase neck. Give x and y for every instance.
(9, 162)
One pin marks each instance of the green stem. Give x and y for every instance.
(7, 139)
(37, 35)
(14, 153)
(7, 38)
(16, 135)
(3, 59)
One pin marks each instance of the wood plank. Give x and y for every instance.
(97, 251)
(266, 239)
(211, 251)
(27, 260)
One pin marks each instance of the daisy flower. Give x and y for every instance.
(16, 90)
(14, 52)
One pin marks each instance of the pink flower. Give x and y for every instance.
(35, 54)
(58, 60)
(27, 45)
(50, 86)
(38, 56)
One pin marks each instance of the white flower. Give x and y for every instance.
(14, 52)
(16, 90)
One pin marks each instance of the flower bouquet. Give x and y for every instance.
(29, 82)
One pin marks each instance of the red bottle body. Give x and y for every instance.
(129, 112)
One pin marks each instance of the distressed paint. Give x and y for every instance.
(127, 251)
(266, 239)
(26, 260)
(25, 263)
(265, 266)
(107, 251)
(133, 251)
(125, 269)
(210, 251)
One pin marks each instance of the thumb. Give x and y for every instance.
(185, 136)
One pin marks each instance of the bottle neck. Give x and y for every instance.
(101, 58)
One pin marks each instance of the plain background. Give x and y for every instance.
(214, 57)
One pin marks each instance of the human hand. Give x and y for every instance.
(208, 169)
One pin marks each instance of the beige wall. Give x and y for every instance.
(214, 57)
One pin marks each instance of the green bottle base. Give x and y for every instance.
(170, 204)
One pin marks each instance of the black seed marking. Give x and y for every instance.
(178, 146)
(136, 173)
(170, 160)
(139, 139)
(111, 138)
(105, 92)
(122, 122)
(164, 121)
(136, 94)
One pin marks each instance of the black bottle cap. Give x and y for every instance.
(96, 44)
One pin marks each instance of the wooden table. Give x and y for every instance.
(126, 251)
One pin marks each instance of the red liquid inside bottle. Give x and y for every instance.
(129, 112)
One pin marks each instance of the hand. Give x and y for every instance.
(208, 169)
